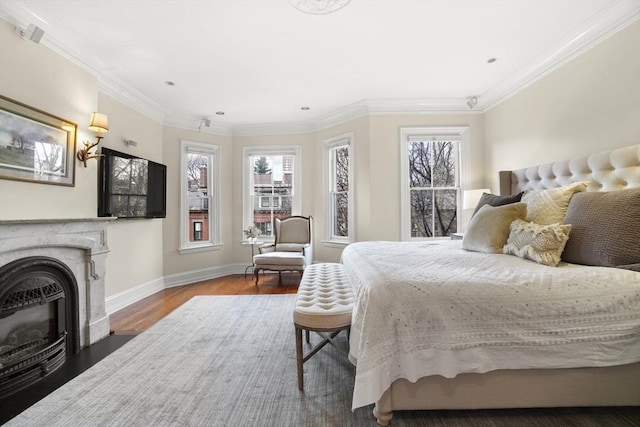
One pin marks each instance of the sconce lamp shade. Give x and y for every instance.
(99, 123)
(470, 198)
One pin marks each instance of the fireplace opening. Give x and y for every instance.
(38, 321)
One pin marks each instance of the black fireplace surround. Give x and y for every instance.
(28, 354)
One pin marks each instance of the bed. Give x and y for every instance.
(436, 326)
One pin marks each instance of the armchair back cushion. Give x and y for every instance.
(294, 229)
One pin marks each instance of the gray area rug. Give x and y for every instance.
(230, 361)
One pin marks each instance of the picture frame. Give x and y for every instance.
(36, 146)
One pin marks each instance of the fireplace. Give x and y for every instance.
(38, 329)
(51, 295)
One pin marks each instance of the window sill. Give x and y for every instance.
(203, 248)
(336, 243)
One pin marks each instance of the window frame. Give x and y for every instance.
(247, 180)
(213, 153)
(412, 134)
(330, 145)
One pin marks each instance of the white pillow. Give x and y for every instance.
(550, 206)
(540, 243)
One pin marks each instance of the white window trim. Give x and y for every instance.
(213, 177)
(247, 179)
(329, 144)
(408, 134)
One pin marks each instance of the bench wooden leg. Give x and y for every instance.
(299, 357)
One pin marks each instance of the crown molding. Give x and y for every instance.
(189, 123)
(130, 97)
(613, 18)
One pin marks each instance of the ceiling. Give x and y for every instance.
(261, 61)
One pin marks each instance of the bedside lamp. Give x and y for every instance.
(99, 124)
(470, 198)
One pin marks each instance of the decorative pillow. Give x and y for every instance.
(540, 243)
(606, 229)
(488, 230)
(550, 206)
(495, 200)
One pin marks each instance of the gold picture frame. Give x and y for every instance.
(36, 146)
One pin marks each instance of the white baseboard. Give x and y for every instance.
(188, 277)
(125, 298)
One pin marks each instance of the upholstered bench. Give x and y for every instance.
(324, 304)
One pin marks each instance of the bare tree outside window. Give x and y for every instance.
(433, 192)
(340, 196)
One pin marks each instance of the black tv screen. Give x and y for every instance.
(130, 186)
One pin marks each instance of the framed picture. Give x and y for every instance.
(36, 146)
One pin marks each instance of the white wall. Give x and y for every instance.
(174, 262)
(590, 104)
(35, 75)
(136, 244)
(39, 77)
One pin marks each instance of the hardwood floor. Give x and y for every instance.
(138, 317)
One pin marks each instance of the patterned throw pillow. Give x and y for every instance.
(550, 206)
(540, 243)
(489, 228)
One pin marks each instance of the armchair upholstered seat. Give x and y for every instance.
(292, 249)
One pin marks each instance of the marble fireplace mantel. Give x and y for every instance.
(81, 244)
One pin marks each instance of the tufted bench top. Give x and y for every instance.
(325, 299)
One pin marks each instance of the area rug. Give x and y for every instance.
(230, 361)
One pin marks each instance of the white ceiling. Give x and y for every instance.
(260, 61)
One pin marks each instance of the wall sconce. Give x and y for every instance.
(99, 124)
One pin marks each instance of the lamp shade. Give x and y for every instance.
(99, 123)
(470, 198)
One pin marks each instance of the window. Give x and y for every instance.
(200, 197)
(338, 153)
(430, 193)
(271, 186)
(197, 230)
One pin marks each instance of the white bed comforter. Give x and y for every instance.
(432, 308)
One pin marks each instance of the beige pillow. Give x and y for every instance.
(550, 206)
(488, 230)
(540, 243)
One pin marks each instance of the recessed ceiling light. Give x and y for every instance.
(169, 83)
(304, 108)
(220, 113)
(492, 60)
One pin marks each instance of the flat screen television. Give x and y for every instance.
(130, 186)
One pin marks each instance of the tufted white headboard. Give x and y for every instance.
(611, 170)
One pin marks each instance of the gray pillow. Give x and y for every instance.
(489, 229)
(495, 200)
(605, 229)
